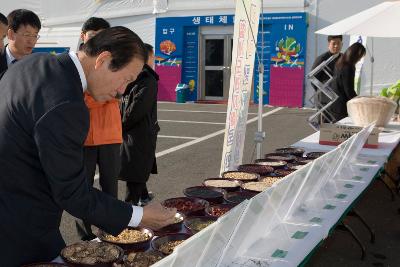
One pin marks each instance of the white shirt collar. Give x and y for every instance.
(10, 57)
(78, 66)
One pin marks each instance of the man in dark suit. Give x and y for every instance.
(335, 43)
(3, 29)
(23, 28)
(43, 125)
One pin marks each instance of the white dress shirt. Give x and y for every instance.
(9, 56)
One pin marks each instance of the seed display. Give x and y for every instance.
(128, 236)
(168, 248)
(240, 175)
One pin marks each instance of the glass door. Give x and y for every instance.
(216, 63)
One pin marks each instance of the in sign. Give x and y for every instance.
(289, 27)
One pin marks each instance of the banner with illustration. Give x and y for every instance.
(285, 38)
(247, 16)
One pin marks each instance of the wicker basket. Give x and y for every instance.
(364, 110)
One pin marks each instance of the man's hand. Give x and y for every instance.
(155, 216)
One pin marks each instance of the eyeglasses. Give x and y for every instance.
(27, 35)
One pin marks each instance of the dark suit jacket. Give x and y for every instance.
(43, 125)
(343, 86)
(3, 61)
(139, 127)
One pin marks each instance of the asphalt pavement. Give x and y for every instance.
(189, 150)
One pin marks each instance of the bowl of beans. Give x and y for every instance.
(174, 227)
(219, 209)
(130, 239)
(167, 243)
(241, 176)
(226, 184)
(314, 154)
(186, 205)
(296, 151)
(256, 186)
(276, 164)
(284, 173)
(256, 168)
(197, 223)
(280, 156)
(238, 197)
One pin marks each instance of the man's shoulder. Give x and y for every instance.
(324, 56)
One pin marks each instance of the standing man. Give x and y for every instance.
(335, 43)
(43, 124)
(23, 33)
(140, 129)
(3, 29)
(104, 138)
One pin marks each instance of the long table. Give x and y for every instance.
(282, 226)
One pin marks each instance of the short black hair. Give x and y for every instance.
(121, 42)
(24, 17)
(149, 48)
(95, 24)
(3, 19)
(331, 37)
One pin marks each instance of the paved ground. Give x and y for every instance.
(189, 150)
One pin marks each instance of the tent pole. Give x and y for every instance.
(260, 87)
(372, 66)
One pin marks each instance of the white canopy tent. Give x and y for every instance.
(382, 20)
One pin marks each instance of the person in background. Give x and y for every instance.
(22, 34)
(343, 83)
(335, 43)
(43, 126)
(104, 138)
(140, 128)
(3, 29)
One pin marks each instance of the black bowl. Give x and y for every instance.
(280, 156)
(283, 173)
(238, 197)
(314, 154)
(157, 242)
(45, 264)
(211, 194)
(237, 183)
(105, 264)
(296, 151)
(276, 164)
(219, 209)
(130, 246)
(172, 228)
(187, 205)
(256, 168)
(189, 221)
(128, 262)
(241, 176)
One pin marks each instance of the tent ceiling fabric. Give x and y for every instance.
(382, 20)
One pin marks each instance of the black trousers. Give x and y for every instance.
(136, 191)
(108, 159)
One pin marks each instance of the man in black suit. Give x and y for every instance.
(43, 125)
(3, 29)
(335, 43)
(23, 33)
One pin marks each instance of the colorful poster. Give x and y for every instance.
(247, 16)
(283, 58)
(190, 62)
